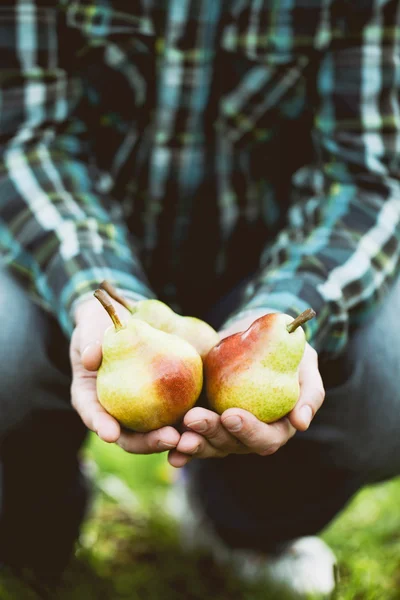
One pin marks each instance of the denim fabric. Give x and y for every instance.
(42, 492)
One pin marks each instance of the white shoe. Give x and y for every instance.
(306, 568)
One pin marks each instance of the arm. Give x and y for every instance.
(56, 228)
(341, 247)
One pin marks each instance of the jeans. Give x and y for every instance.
(256, 502)
(42, 491)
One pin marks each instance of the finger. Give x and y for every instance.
(106, 427)
(177, 459)
(92, 324)
(208, 424)
(196, 445)
(159, 440)
(312, 391)
(258, 437)
(84, 400)
(91, 356)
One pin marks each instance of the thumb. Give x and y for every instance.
(91, 323)
(312, 391)
(91, 356)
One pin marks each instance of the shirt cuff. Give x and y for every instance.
(327, 332)
(75, 280)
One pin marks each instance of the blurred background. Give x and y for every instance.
(129, 547)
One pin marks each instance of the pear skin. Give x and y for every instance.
(257, 370)
(160, 316)
(195, 331)
(147, 378)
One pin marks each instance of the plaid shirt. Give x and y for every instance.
(198, 142)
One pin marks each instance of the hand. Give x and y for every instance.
(85, 353)
(237, 431)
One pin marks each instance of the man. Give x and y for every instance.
(232, 158)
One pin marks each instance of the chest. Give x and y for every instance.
(231, 63)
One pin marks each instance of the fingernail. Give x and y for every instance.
(195, 450)
(165, 446)
(233, 423)
(306, 415)
(198, 426)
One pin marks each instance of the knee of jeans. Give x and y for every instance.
(23, 353)
(364, 411)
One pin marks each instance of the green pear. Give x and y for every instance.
(147, 378)
(258, 370)
(157, 314)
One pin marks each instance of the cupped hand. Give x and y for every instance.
(237, 431)
(85, 354)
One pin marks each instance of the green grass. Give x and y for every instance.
(129, 550)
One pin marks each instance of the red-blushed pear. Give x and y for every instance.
(257, 370)
(147, 378)
(157, 314)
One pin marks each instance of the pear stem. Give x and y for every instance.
(111, 291)
(305, 316)
(104, 299)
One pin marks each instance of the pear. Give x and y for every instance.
(147, 378)
(257, 370)
(157, 314)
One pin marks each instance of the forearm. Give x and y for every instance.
(60, 235)
(56, 228)
(342, 277)
(340, 248)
